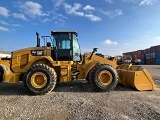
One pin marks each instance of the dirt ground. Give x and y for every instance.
(78, 101)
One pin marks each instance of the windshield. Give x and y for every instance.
(62, 41)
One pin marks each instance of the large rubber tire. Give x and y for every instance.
(103, 78)
(1, 74)
(40, 79)
(87, 78)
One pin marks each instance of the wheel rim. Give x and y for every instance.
(105, 77)
(38, 80)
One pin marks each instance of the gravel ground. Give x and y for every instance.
(78, 101)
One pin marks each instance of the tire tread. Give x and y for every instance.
(49, 70)
(92, 78)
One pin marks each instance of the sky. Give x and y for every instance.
(112, 26)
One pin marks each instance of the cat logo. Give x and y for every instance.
(37, 52)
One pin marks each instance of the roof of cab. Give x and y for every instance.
(63, 31)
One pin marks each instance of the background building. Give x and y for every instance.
(4, 54)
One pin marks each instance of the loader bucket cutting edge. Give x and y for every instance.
(135, 77)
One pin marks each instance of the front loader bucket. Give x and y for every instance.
(135, 77)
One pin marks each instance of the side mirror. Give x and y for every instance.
(94, 50)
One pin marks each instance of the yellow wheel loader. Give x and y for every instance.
(60, 60)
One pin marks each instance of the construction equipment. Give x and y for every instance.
(60, 60)
(5, 61)
(127, 59)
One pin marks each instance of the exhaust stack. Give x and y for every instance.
(38, 39)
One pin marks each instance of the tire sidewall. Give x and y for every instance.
(98, 85)
(51, 79)
(28, 79)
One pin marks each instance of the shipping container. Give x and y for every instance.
(142, 62)
(148, 62)
(139, 52)
(133, 53)
(152, 49)
(143, 52)
(153, 55)
(153, 61)
(147, 51)
(139, 56)
(157, 55)
(147, 56)
(133, 56)
(158, 61)
(158, 48)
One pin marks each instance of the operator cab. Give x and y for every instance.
(65, 46)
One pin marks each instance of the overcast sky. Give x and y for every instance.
(113, 26)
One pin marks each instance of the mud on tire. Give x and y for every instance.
(103, 78)
(40, 79)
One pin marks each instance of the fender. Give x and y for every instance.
(39, 59)
(87, 68)
(33, 61)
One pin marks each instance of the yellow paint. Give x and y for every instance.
(22, 60)
(9, 76)
(105, 77)
(135, 77)
(5, 62)
(38, 80)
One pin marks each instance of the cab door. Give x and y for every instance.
(76, 49)
(64, 52)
